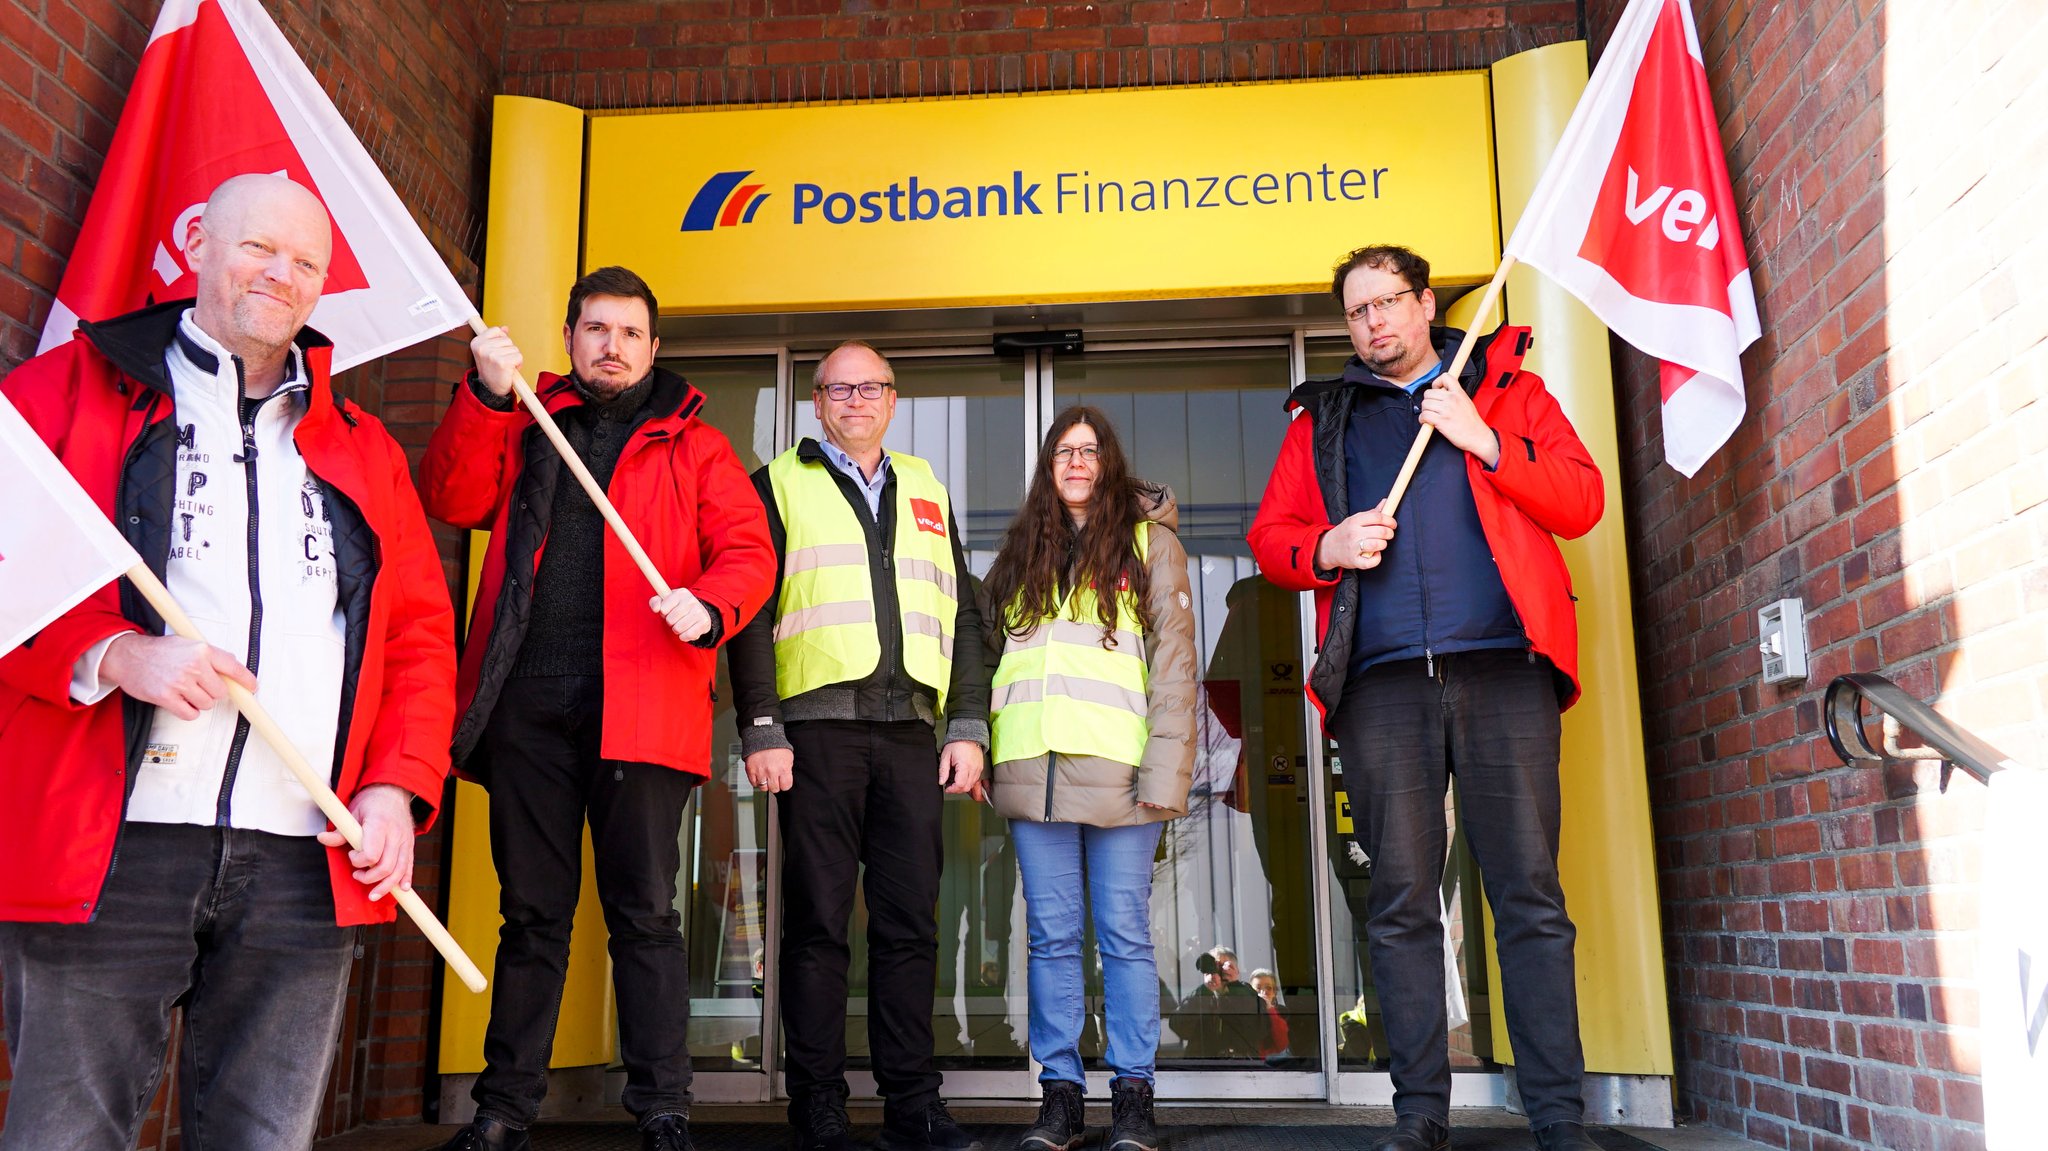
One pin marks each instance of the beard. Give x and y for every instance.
(1391, 358)
(608, 385)
(262, 326)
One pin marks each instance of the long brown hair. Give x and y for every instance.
(1042, 551)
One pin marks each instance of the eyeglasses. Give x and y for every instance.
(1384, 305)
(1089, 453)
(869, 390)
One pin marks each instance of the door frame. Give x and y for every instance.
(1330, 1084)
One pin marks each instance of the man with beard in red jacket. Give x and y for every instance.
(153, 851)
(1449, 643)
(577, 702)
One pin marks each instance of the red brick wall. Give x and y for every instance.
(415, 85)
(616, 53)
(1820, 919)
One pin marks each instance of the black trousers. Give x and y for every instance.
(546, 779)
(1490, 718)
(864, 795)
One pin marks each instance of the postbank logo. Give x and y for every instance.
(724, 201)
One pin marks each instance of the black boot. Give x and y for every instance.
(1565, 1135)
(1061, 1121)
(820, 1122)
(930, 1128)
(1130, 1116)
(1415, 1133)
(487, 1134)
(667, 1132)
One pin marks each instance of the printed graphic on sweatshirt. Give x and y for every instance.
(315, 560)
(192, 509)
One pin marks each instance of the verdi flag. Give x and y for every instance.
(1635, 217)
(219, 93)
(56, 547)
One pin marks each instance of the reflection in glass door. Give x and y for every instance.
(1232, 908)
(722, 893)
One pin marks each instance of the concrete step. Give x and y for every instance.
(1186, 1128)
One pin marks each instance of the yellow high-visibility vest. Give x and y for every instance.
(825, 619)
(1058, 689)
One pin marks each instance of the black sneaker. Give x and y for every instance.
(666, 1132)
(1130, 1117)
(1415, 1133)
(820, 1124)
(1565, 1135)
(930, 1129)
(487, 1134)
(1061, 1118)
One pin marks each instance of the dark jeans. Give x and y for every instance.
(238, 927)
(864, 794)
(1490, 718)
(546, 778)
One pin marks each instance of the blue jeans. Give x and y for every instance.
(1118, 867)
(239, 925)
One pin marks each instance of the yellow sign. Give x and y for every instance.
(1126, 194)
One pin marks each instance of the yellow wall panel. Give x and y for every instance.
(1607, 858)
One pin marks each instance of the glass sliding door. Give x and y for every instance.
(722, 891)
(1263, 867)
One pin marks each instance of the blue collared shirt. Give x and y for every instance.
(871, 489)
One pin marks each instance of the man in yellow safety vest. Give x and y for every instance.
(839, 685)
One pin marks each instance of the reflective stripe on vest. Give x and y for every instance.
(825, 619)
(1058, 689)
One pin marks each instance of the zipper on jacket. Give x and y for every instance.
(1422, 583)
(1051, 770)
(223, 812)
(132, 758)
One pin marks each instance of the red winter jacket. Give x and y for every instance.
(1546, 485)
(103, 403)
(681, 490)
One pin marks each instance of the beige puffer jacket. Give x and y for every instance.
(1102, 792)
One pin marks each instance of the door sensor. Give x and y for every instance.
(1781, 634)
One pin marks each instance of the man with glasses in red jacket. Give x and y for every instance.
(1447, 642)
(579, 703)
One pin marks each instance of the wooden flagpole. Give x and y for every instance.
(591, 487)
(330, 804)
(1472, 330)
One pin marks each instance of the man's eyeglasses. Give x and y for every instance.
(869, 390)
(1089, 453)
(1384, 305)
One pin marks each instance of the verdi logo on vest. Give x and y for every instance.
(928, 518)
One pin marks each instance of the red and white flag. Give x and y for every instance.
(219, 93)
(56, 547)
(1635, 217)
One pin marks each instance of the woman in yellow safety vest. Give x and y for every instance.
(1092, 715)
